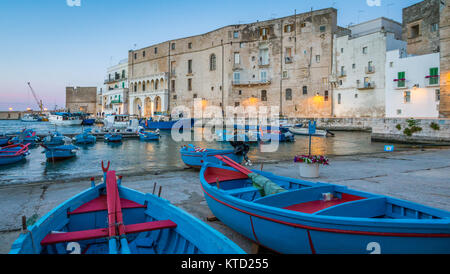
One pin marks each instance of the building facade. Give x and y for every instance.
(115, 93)
(81, 99)
(444, 32)
(284, 62)
(359, 67)
(412, 85)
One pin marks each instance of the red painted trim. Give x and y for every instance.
(313, 251)
(253, 229)
(332, 230)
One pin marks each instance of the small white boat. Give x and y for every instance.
(30, 118)
(305, 131)
(121, 122)
(64, 119)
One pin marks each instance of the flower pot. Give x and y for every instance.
(309, 170)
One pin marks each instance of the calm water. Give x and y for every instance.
(134, 156)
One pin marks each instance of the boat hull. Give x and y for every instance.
(11, 160)
(60, 153)
(197, 159)
(168, 125)
(77, 214)
(305, 132)
(290, 232)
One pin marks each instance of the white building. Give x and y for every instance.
(412, 89)
(115, 93)
(359, 67)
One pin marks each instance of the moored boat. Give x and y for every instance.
(13, 154)
(85, 138)
(54, 139)
(135, 223)
(26, 136)
(65, 119)
(149, 136)
(4, 140)
(165, 123)
(289, 215)
(195, 156)
(31, 118)
(305, 132)
(113, 138)
(58, 153)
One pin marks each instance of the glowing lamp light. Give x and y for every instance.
(253, 100)
(10, 109)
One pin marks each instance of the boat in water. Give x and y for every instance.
(85, 138)
(65, 119)
(26, 136)
(149, 135)
(305, 132)
(13, 153)
(54, 139)
(113, 138)
(166, 123)
(113, 121)
(4, 140)
(134, 223)
(289, 215)
(195, 157)
(31, 118)
(59, 153)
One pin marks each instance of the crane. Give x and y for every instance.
(39, 102)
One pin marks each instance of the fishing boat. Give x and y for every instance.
(195, 156)
(113, 138)
(149, 135)
(31, 118)
(121, 121)
(65, 119)
(305, 132)
(135, 223)
(165, 123)
(4, 140)
(13, 153)
(278, 135)
(54, 139)
(26, 136)
(58, 153)
(289, 215)
(227, 136)
(85, 138)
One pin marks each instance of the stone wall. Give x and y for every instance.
(445, 60)
(81, 99)
(10, 115)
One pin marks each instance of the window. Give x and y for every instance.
(288, 28)
(365, 50)
(123, 74)
(370, 67)
(189, 66)
(172, 85)
(305, 90)
(343, 71)
(434, 76)
(342, 50)
(407, 97)
(317, 58)
(264, 95)
(143, 53)
(323, 28)
(241, 45)
(264, 32)
(195, 95)
(189, 45)
(156, 50)
(339, 98)
(434, 27)
(326, 95)
(212, 62)
(414, 31)
(174, 97)
(401, 81)
(143, 86)
(391, 64)
(135, 56)
(173, 46)
(288, 54)
(354, 66)
(399, 111)
(236, 34)
(135, 88)
(190, 84)
(264, 56)
(236, 104)
(240, 92)
(285, 74)
(438, 95)
(236, 77)
(173, 65)
(356, 95)
(237, 58)
(263, 76)
(288, 94)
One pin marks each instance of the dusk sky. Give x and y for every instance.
(53, 45)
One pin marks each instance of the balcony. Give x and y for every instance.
(249, 83)
(432, 81)
(342, 73)
(116, 79)
(370, 69)
(366, 85)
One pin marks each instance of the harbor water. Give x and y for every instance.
(134, 157)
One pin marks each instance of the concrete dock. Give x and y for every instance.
(421, 176)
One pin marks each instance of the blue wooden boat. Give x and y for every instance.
(57, 153)
(85, 138)
(113, 138)
(4, 140)
(26, 136)
(227, 136)
(109, 218)
(149, 136)
(278, 135)
(54, 139)
(13, 153)
(289, 215)
(167, 125)
(195, 157)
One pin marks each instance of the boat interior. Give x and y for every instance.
(317, 198)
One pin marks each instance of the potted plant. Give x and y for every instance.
(309, 164)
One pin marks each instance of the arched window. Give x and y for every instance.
(143, 86)
(212, 62)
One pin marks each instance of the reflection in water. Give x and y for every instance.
(136, 157)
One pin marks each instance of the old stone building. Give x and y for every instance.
(82, 99)
(444, 30)
(283, 62)
(421, 27)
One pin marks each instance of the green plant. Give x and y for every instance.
(435, 126)
(413, 127)
(399, 127)
(407, 132)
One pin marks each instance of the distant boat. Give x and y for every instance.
(65, 119)
(13, 153)
(58, 153)
(195, 157)
(113, 121)
(305, 132)
(85, 138)
(4, 140)
(289, 215)
(31, 118)
(109, 218)
(54, 139)
(113, 138)
(166, 124)
(26, 136)
(149, 136)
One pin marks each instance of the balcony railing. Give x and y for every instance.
(113, 80)
(366, 85)
(370, 69)
(342, 73)
(251, 82)
(432, 80)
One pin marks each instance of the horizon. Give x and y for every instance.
(54, 45)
